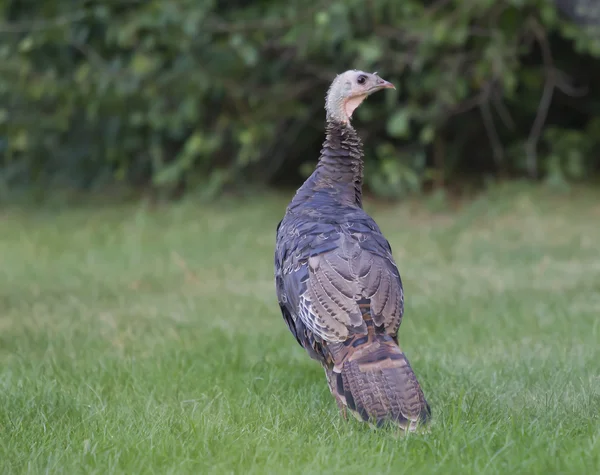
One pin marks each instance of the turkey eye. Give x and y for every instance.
(361, 79)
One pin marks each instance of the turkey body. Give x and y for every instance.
(340, 291)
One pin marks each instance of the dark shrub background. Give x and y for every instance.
(205, 95)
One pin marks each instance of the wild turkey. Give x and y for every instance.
(337, 284)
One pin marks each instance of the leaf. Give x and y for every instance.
(142, 64)
(322, 18)
(398, 124)
(427, 134)
(26, 44)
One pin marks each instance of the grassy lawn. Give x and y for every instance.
(138, 341)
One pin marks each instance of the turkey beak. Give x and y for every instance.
(383, 84)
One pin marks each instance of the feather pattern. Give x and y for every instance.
(340, 291)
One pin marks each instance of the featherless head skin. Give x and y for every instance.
(348, 90)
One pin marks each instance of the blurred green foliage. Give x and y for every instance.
(215, 93)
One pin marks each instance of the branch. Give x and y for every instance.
(536, 129)
(90, 53)
(464, 106)
(545, 101)
(435, 7)
(218, 25)
(502, 110)
(490, 126)
(41, 25)
(561, 82)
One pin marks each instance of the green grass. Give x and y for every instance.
(138, 341)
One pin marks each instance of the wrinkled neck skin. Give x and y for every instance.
(339, 172)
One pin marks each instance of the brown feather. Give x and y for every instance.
(374, 380)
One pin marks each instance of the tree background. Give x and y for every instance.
(205, 95)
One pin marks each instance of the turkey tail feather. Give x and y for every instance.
(381, 386)
(375, 381)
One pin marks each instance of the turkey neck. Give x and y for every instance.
(340, 168)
